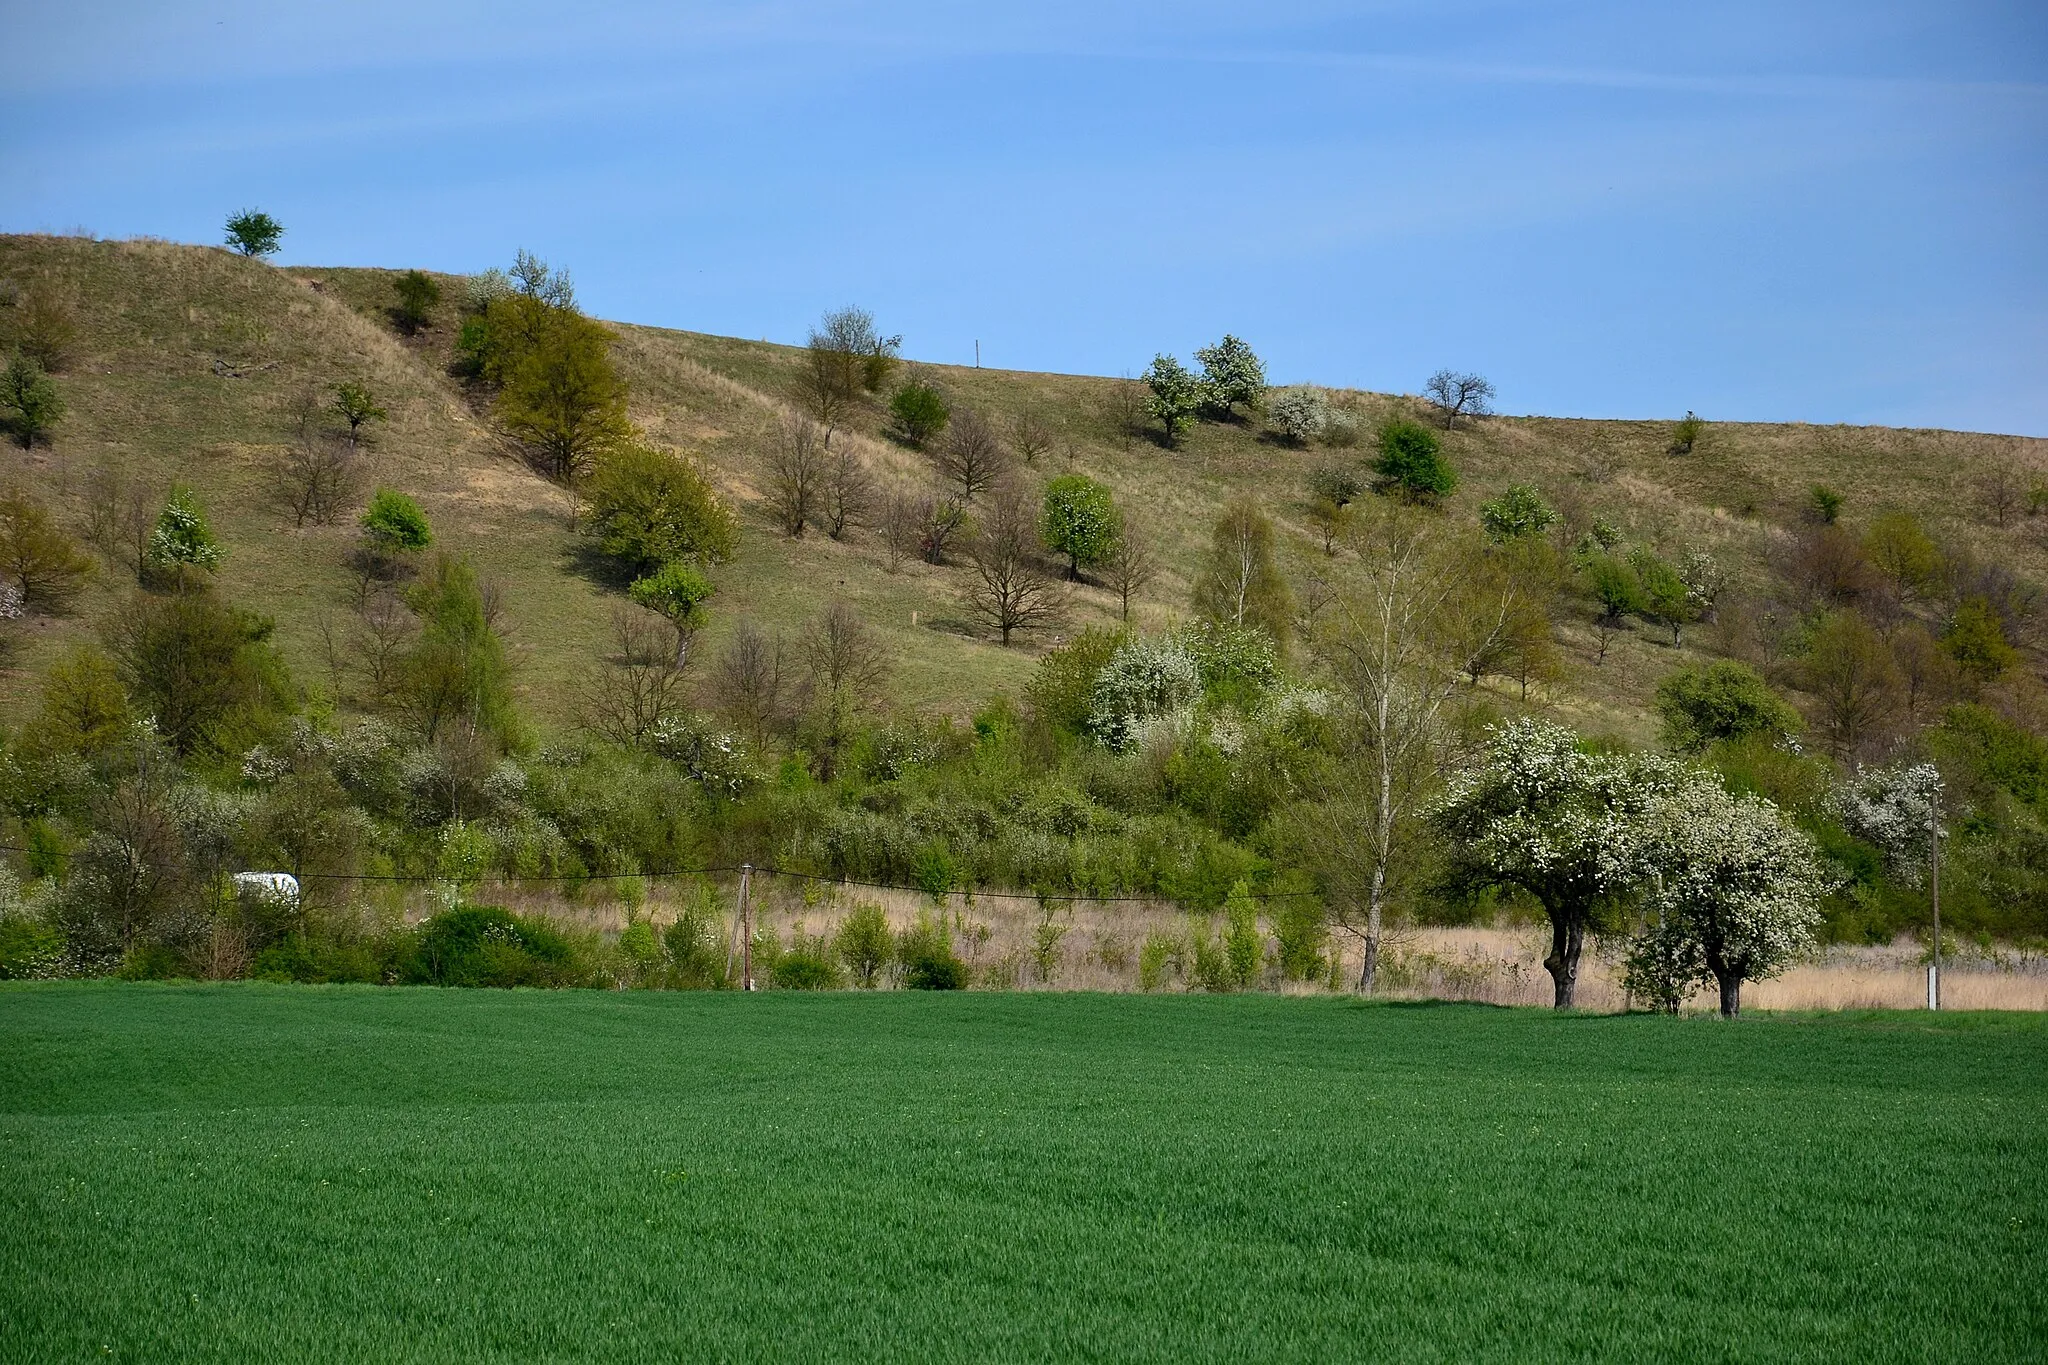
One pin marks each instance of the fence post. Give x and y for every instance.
(746, 916)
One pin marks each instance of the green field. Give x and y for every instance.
(256, 1172)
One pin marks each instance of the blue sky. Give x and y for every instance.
(1777, 211)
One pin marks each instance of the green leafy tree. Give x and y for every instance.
(32, 397)
(1519, 511)
(1244, 947)
(355, 405)
(1976, 642)
(1232, 377)
(865, 944)
(43, 563)
(647, 507)
(1617, 591)
(182, 539)
(417, 295)
(1665, 597)
(919, 411)
(564, 397)
(1079, 520)
(455, 680)
(678, 591)
(254, 233)
(394, 523)
(1687, 434)
(1902, 551)
(1823, 504)
(1411, 463)
(1723, 700)
(1176, 397)
(204, 672)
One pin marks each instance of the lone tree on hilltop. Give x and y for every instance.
(417, 295)
(1176, 397)
(1456, 395)
(1233, 376)
(254, 233)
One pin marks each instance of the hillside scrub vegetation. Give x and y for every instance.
(557, 620)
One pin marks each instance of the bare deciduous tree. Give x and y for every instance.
(748, 683)
(970, 454)
(1030, 437)
(639, 684)
(900, 526)
(846, 494)
(797, 461)
(1124, 406)
(844, 358)
(120, 513)
(939, 518)
(2002, 491)
(1013, 588)
(386, 630)
(315, 479)
(844, 665)
(1456, 395)
(1131, 563)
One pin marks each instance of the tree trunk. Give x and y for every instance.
(1567, 936)
(1371, 967)
(1731, 995)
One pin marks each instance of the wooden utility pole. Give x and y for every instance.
(746, 916)
(1934, 887)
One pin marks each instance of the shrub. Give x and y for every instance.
(926, 954)
(317, 961)
(1143, 678)
(1299, 415)
(483, 945)
(1236, 663)
(646, 507)
(29, 950)
(1702, 704)
(1334, 484)
(1519, 511)
(807, 964)
(1411, 464)
(919, 412)
(1302, 934)
(1687, 434)
(1062, 688)
(695, 959)
(865, 944)
(1244, 946)
(394, 523)
(1159, 956)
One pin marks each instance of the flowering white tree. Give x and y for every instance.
(1144, 678)
(1734, 894)
(1894, 808)
(1540, 813)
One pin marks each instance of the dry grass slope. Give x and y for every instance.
(191, 360)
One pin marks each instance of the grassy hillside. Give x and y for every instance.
(221, 1172)
(190, 363)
